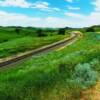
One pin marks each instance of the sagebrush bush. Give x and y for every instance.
(85, 75)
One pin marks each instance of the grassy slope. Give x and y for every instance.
(26, 43)
(43, 78)
(12, 42)
(9, 33)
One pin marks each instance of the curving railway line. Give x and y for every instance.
(44, 49)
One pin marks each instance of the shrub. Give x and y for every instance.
(40, 33)
(17, 30)
(95, 63)
(61, 31)
(90, 29)
(84, 75)
(65, 69)
(62, 67)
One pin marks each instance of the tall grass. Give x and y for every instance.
(54, 76)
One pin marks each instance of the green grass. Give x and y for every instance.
(9, 33)
(12, 42)
(53, 76)
(26, 43)
(6, 36)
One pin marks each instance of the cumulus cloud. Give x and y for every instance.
(69, 1)
(71, 19)
(75, 20)
(15, 3)
(85, 20)
(13, 19)
(96, 3)
(94, 18)
(75, 15)
(44, 6)
(24, 4)
(73, 8)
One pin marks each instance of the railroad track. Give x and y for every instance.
(38, 51)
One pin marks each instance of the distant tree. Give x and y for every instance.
(40, 33)
(61, 31)
(90, 29)
(17, 30)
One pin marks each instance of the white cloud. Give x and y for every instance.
(73, 8)
(85, 20)
(75, 20)
(96, 3)
(13, 19)
(69, 1)
(71, 19)
(94, 18)
(15, 3)
(75, 15)
(24, 4)
(41, 5)
(44, 6)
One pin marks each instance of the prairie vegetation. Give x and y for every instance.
(58, 75)
(16, 40)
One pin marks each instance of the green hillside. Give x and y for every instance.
(15, 40)
(59, 74)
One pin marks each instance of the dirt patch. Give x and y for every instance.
(92, 94)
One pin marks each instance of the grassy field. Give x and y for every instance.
(15, 40)
(11, 33)
(23, 44)
(57, 75)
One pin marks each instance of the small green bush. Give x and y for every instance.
(84, 75)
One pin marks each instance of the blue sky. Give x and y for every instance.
(49, 13)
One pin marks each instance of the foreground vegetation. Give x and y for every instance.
(57, 75)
